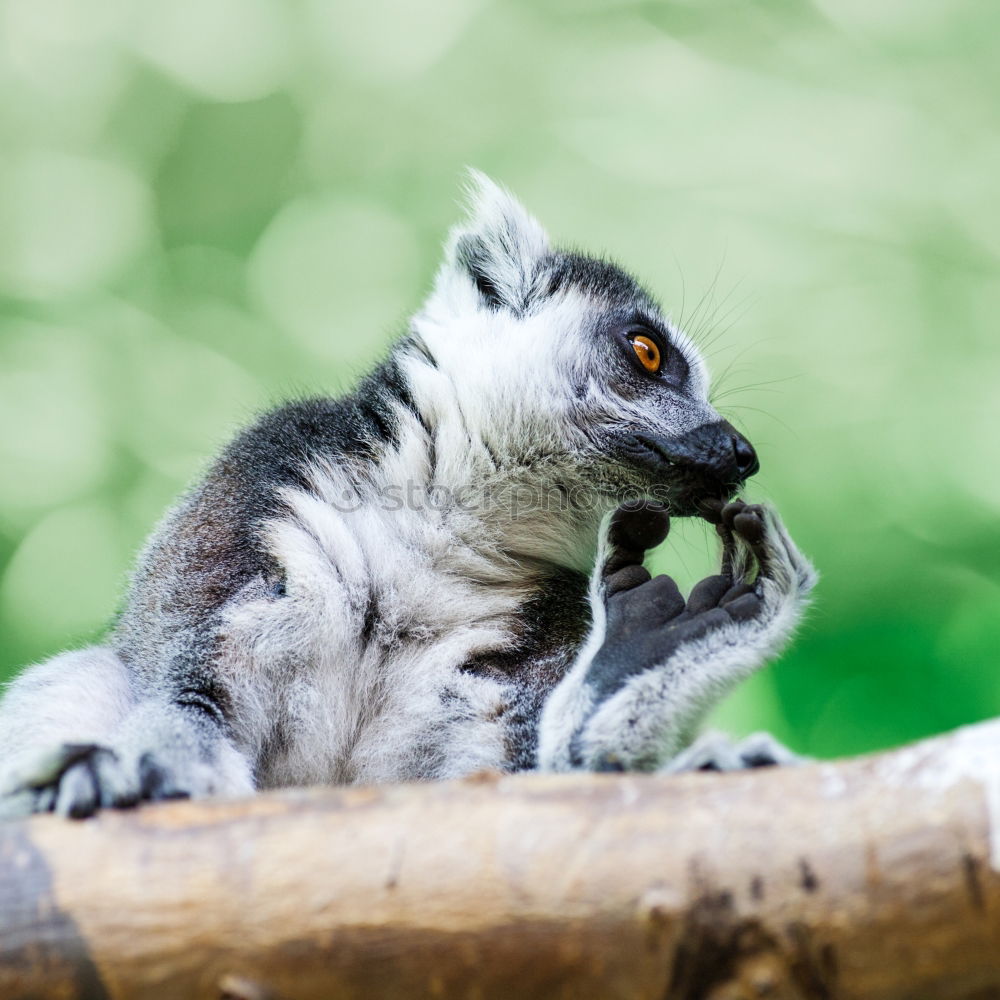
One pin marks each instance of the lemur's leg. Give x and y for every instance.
(167, 745)
(654, 663)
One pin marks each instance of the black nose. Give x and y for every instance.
(716, 452)
(746, 458)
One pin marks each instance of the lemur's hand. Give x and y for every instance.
(648, 619)
(655, 662)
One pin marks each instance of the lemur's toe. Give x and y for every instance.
(744, 607)
(711, 509)
(763, 750)
(78, 796)
(627, 578)
(708, 593)
(55, 778)
(689, 628)
(729, 512)
(663, 598)
(639, 525)
(645, 607)
(749, 525)
(736, 591)
(92, 779)
(158, 782)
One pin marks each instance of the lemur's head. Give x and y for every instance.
(562, 362)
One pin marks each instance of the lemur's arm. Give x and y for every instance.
(654, 664)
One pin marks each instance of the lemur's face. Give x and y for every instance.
(564, 361)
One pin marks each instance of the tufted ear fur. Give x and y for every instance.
(498, 248)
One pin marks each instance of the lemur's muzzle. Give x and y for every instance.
(713, 460)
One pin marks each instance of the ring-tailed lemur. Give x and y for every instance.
(436, 573)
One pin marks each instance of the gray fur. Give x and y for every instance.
(311, 613)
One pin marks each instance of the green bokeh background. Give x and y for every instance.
(207, 205)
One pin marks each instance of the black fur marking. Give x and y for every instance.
(599, 279)
(553, 623)
(206, 701)
(494, 457)
(274, 747)
(473, 254)
(369, 620)
(432, 455)
(414, 343)
(388, 389)
(275, 451)
(431, 434)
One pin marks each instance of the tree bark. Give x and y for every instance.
(877, 877)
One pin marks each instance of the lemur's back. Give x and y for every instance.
(440, 572)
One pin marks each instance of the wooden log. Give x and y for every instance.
(876, 878)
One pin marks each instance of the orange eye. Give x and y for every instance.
(647, 352)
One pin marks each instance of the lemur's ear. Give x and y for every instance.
(498, 248)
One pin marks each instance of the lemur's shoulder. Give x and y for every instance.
(276, 449)
(207, 548)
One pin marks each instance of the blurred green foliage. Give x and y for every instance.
(206, 205)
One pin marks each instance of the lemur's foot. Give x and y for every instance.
(74, 779)
(77, 779)
(656, 662)
(714, 751)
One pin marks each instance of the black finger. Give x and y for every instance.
(728, 550)
(45, 799)
(707, 593)
(626, 578)
(153, 779)
(744, 608)
(725, 531)
(699, 625)
(639, 525)
(665, 598)
(78, 791)
(734, 592)
(609, 764)
(126, 798)
(750, 526)
(711, 509)
(730, 511)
